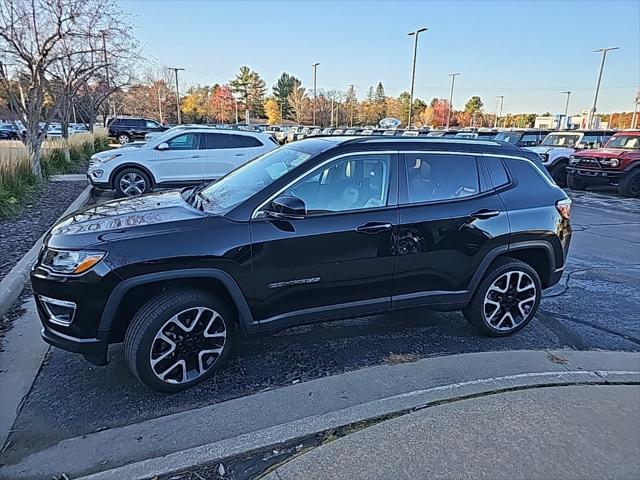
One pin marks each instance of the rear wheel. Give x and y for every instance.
(629, 185)
(178, 339)
(123, 138)
(574, 183)
(506, 300)
(559, 174)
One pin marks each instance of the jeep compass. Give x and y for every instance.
(321, 229)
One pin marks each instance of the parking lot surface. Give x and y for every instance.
(595, 306)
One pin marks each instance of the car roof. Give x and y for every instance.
(633, 133)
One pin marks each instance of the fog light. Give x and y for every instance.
(97, 173)
(60, 312)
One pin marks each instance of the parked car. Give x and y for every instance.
(9, 131)
(523, 138)
(618, 163)
(479, 134)
(125, 129)
(442, 133)
(54, 131)
(321, 229)
(184, 157)
(557, 147)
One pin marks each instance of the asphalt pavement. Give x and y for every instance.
(570, 432)
(595, 306)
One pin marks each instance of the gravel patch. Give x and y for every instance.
(19, 233)
(14, 313)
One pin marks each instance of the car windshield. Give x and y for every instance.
(511, 137)
(624, 141)
(240, 184)
(561, 140)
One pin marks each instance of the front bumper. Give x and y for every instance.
(98, 184)
(595, 176)
(94, 350)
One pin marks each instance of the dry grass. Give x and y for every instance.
(398, 358)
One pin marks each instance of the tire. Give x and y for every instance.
(501, 320)
(559, 173)
(574, 183)
(629, 185)
(154, 327)
(131, 182)
(123, 138)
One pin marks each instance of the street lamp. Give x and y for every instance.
(501, 98)
(413, 71)
(453, 79)
(177, 92)
(566, 109)
(592, 112)
(315, 67)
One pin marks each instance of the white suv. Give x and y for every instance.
(176, 158)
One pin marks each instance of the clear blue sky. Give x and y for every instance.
(527, 51)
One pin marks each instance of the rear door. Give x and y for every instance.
(449, 219)
(222, 152)
(181, 163)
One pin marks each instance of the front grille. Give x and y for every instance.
(589, 163)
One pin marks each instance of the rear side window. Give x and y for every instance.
(497, 171)
(434, 177)
(214, 141)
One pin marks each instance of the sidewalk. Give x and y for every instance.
(569, 432)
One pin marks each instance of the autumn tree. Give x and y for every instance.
(299, 102)
(272, 110)
(351, 102)
(248, 85)
(222, 104)
(282, 89)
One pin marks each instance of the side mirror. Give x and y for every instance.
(287, 207)
(163, 146)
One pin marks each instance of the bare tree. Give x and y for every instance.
(299, 102)
(52, 46)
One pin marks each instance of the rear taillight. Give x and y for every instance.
(564, 208)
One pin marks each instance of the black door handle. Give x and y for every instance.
(373, 227)
(485, 213)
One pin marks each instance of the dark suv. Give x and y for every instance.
(322, 229)
(126, 129)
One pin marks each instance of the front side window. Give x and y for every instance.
(350, 183)
(434, 177)
(590, 141)
(186, 141)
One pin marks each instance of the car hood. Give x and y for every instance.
(542, 149)
(605, 153)
(137, 216)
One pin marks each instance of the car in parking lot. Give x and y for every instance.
(321, 229)
(9, 131)
(184, 157)
(126, 129)
(557, 147)
(523, 138)
(617, 163)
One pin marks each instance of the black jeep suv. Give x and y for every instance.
(324, 228)
(126, 129)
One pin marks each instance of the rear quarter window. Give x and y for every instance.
(497, 172)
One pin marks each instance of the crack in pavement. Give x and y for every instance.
(587, 323)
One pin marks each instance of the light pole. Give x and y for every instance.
(592, 112)
(636, 102)
(177, 92)
(351, 95)
(413, 71)
(501, 98)
(315, 68)
(566, 110)
(453, 79)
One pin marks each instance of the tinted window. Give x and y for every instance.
(589, 139)
(215, 141)
(497, 171)
(186, 141)
(432, 177)
(350, 183)
(151, 124)
(529, 140)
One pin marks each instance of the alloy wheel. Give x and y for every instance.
(132, 184)
(509, 300)
(188, 345)
(123, 139)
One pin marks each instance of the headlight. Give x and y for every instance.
(106, 158)
(573, 160)
(70, 262)
(611, 162)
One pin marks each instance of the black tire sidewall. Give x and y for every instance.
(575, 183)
(142, 331)
(122, 173)
(624, 187)
(559, 173)
(474, 312)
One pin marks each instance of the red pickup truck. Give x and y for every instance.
(617, 163)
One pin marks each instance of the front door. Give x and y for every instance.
(181, 163)
(338, 260)
(449, 220)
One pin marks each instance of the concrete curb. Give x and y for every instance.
(11, 286)
(219, 451)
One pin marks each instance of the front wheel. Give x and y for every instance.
(178, 339)
(123, 138)
(574, 183)
(131, 182)
(506, 300)
(559, 174)
(629, 185)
